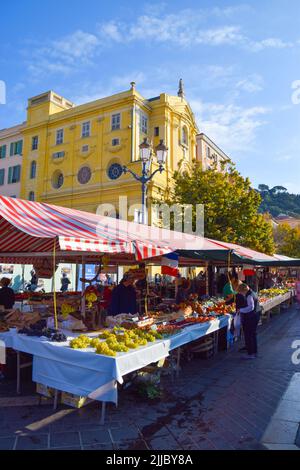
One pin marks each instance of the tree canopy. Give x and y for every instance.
(231, 205)
(287, 240)
(278, 200)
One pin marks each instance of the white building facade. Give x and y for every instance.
(209, 154)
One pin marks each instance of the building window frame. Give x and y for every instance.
(59, 136)
(16, 148)
(14, 174)
(31, 196)
(156, 131)
(86, 129)
(144, 124)
(33, 170)
(3, 151)
(116, 121)
(35, 142)
(115, 142)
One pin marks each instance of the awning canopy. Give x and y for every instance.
(31, 229)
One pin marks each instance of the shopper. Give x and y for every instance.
(183, 290)
(249, 319)
(32, 286)
(7, 295)
(123, 298)
(65, 281)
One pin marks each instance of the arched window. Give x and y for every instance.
(31, 196)
(33, 170)
(184, 137)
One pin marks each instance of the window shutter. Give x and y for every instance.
(11, 149)
(10, 171)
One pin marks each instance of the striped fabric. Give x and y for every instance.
(31, 227)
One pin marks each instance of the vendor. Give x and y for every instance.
(123, 298)
(7, 295)
(230, 289)
(183, 290)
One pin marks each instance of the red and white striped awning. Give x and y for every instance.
(31, 228)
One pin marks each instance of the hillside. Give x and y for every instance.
(278, 201)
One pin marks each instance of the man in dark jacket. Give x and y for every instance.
(7, 295)
(123, 298)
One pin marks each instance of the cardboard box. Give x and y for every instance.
(74, 401)
(44, 390)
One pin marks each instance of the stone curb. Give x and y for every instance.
(281, 433)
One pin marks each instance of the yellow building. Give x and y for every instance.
(73, 155)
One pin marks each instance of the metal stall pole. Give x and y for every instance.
(83, 288)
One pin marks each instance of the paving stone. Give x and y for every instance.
(98, 447)
(138, 444)
(63, 439)
(125, 432)
(163, 443)
(32, 442)
(95, 437)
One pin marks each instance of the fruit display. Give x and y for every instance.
(273, 292)
(116, 340)
(168, 330)
(3, 327)
(17, 319)
(39, 329)
(67, 309)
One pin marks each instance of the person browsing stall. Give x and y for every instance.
(7, 295)
(249, 319)
(123, 297)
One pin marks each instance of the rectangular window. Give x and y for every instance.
(115, 122)
(86, 127)
(85, 148)
(57, 155)
(2, 176)
(59, 136)
(14, 174)
(2, 151)
(35, 143)
(16, 148)
(115, 142)
(156, 131)
(144, 124)
(207, 152)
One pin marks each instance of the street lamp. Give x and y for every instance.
(146, 158)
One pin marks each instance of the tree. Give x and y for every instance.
(231, 205)
(287, 240)
(263, 188)
(278, 189)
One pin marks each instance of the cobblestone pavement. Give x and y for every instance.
(220, 403)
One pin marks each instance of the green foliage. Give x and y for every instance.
(287, 240)
(278, 201)
(231, 205)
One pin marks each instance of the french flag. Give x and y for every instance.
(169, 264)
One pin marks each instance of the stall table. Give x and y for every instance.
(85, 373)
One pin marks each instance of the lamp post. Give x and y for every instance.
(146, 158)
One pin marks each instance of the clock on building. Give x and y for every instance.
(84, 175)
(115, 171)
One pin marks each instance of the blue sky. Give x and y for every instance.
(238, 60)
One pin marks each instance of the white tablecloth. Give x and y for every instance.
(85, 373)
(275, 301)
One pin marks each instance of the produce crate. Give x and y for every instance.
(75, 401)
(44, 390)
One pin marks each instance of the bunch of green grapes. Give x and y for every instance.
(117, 346)
(95, 342)
(105, 334)
(81, 342)
(104, 349)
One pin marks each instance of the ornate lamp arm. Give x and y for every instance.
(127, 170)
(160, 170)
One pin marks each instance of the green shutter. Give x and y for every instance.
(10, 172)
(3, 151)
(2, 176)
(11, 149)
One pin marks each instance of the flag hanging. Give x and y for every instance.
(169, 264)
